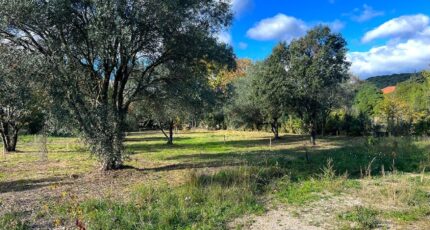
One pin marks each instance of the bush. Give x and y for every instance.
(366, 218)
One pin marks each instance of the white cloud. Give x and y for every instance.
(407, 50)
(409, 56)
(401, 27)
(285, 28)
(240, 6)
(366, 14)
(279, 27)
(243, 45)
(225, 37)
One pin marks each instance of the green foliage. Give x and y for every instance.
(258, 97)
(101, 55)
(307, 190)
(406, 111)
(390, 80)
(403, 112)
(206, 201)
(269, 83)
(316, 67)
(20, 97)
(294, 125)
(219, 190)
(172, 105)
(366, 99)
(414, 214)
(243, 111)
(366, 218)
(12, 221)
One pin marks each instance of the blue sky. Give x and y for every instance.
(384, 36)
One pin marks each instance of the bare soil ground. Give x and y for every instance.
(384, 194)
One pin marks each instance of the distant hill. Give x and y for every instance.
(390, 80)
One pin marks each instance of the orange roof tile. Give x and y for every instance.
(388, 90)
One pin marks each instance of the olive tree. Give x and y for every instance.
(170, 105)
(18, 94)
(101, 54)
(243, 111)
(317, 66)
(271, 87)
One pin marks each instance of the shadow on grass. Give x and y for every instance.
(353, 159)
(143, 139)
(180, 166)
(216, 144)
(23, 185)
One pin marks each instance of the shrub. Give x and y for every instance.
(366, 218)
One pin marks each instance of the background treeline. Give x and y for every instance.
(293, 90)
(266, 95)
(390, 80)
(354, 107)
(229, 99)
(112, 68)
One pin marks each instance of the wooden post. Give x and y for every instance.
(270, 144)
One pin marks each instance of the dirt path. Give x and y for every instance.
(280, 219)
(318, 215)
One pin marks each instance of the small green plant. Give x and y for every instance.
(366, 218)
(12, 221)
(300, 193)
(372, 141)
(418, 197)
(328, 171)
(413, 214)
(306, 191)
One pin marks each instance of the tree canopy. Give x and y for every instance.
(317, 65)
(102, 54)
(19, 99)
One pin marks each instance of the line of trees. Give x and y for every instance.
(298, 80)
(100, 56)
(349, 107)
(406, 111)
(100, 68)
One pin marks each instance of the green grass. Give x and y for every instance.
(365, 218)
(418, 206)
(12, 221)
(303, 192)
(410, 215)
(206, 201)
(228, 178)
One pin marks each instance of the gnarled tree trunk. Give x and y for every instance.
(170, 139)
(275, 129)
(9, 135)
(313, 133)
(169, 136)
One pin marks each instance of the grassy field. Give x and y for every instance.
(218, 180)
